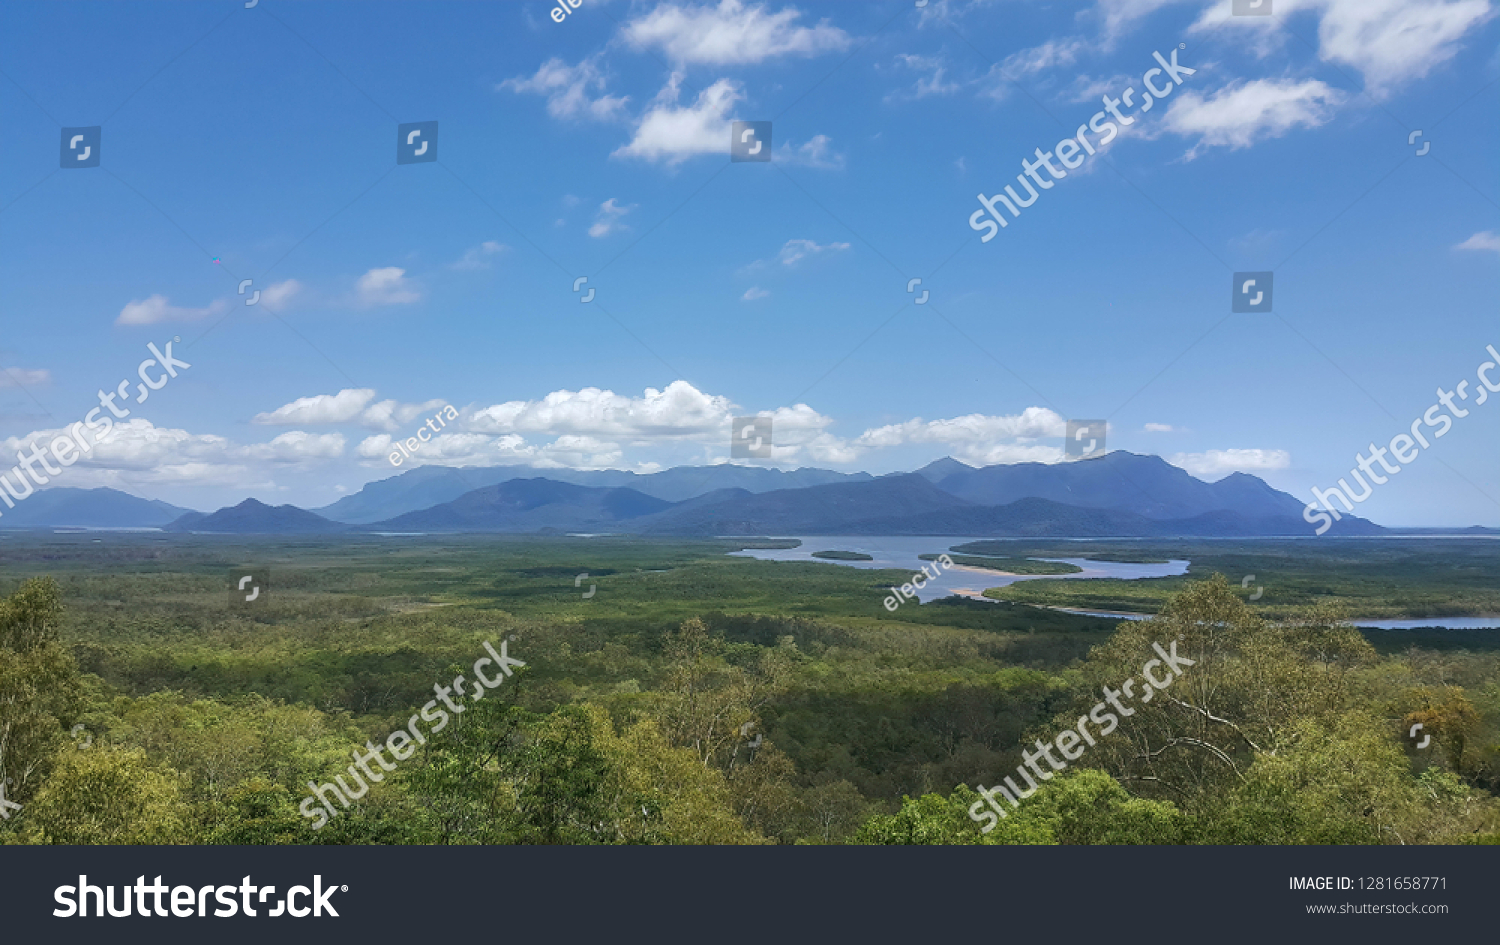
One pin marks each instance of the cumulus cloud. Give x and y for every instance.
(592, 428)
(385, 286)
(352, 405)
(296, 446)
(472, 449)
(157, 308)
(567, 89)
(1243, 112)
(11, 378)
(677, 411)
(390, 414)
(321, 408)
(1390, 42)
(672, 133)
(609, 219)
(1215, 464)
(479, 257)
(730, 34)
(1395, 41)
(1160, 428)
(1487, 240)
(978, 439)
(137, 451)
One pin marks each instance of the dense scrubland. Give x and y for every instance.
(699, 698)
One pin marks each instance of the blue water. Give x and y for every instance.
(1393, 623)
(901, 553)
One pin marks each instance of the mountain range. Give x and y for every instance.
(64, 507)
(1119, 495)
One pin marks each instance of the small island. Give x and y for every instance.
(842, 556)
(998, 547)
(1010, 565)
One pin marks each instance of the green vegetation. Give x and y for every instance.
(1010, 565)
(843, 555)
(703, 698)
(1004, 548)
(1379, 578)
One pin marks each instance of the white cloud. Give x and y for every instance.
(21, 377)
(1243, 112)
(929, 84)
(680, 410)
(673, 134)
(1487, 240)
(1395, 41)
(385, 286)
(135, 451)
(567, 90)
(390, 415)
(352, 405)
(157, 308)
(1119, 15)
(755, 292)
(1086, 88)
(1390, 42)
(608, 220)
(795, 251)
(939, 12)
(1160, 428)
(295, 446)
(472, 449)
(342, 407)
(731, 33)
(279, 294)
(816, 152)
(978, 438)
(478, 257)
(1215, 464)
(1052, 54)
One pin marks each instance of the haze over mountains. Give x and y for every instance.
(1118, 495)
(432, 485)
(65, 507)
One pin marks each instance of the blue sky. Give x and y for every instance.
(265, 137)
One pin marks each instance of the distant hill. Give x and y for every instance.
(1043, 518)
(814, 510)
(1146, 485)
(910, 505)
(64, 507)
(1120, 495)
(252, 517)
(427, 486)
(530, 505)
(940, 469)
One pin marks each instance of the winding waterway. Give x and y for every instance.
(901, 553)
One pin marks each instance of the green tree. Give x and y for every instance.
(106, 795)
(710, 704)
(40, 691)
(1252, 681)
